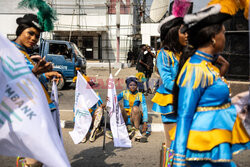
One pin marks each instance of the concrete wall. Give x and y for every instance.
(148, 30)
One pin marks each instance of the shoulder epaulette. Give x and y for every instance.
(169, 55)
(204, 74)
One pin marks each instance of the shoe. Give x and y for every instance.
(109, 134)
(138, 135)
(93, 134)
(99, 132)
(149, 91)
(145, 94)
(154, 91)
(84, 140)
(131, 133)
(129, 128)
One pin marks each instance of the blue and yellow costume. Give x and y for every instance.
(133, 99)
(167, 64)
(208, 129)
(92, 109)
(43, 80)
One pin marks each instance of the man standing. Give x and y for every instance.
(145, 64)
(141, 67)
(130, 56)
(149, 56)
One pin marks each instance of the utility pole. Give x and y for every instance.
(79, 14)
(142, 11)
(118, 4)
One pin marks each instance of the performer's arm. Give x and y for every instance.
(144, 109)
(120, 96)
(164, 69)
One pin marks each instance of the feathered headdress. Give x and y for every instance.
(46, 15)
(180, 8)
(231, 7)
(205, 17)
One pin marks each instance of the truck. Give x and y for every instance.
(65, 57)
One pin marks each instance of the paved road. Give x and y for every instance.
(140, 155)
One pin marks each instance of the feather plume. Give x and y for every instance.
(232, 6)
(180, 8)
(46, 15)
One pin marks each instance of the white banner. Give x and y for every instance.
(85, 98)
(56, 113)
(26, 126)
(118, 126)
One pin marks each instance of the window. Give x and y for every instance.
(59, 49)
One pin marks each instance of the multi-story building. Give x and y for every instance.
(91, 24)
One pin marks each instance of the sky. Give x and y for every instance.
(198, 4)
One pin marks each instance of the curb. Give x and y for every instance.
(155, 127)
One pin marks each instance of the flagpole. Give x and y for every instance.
(105, 116)
(105, 124)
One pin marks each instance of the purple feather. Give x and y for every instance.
(180, 8)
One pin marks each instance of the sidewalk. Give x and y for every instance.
(98, 64)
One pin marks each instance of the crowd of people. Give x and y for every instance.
(200, 123)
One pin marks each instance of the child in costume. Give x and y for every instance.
(130, 111)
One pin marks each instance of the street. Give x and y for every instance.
(92, 154)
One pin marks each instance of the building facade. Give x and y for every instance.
(91, 24)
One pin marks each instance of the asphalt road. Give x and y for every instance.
(140, 155)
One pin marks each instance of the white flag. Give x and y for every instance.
(85, 98)
(118, 126)
(56, 113)
(26, 126)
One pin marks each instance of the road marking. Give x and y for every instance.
(118, 72)
(239, 82)
(149, 113)
(155, 127)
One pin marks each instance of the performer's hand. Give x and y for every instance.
(53, 75)
(36, 58)
(144, 127)
(42, 66)
(103, 105)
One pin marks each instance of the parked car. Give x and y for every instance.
(66, 59)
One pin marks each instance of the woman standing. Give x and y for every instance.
(167, 63)
(208, 129)
(28, 33)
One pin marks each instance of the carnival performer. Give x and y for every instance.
(208, 129)
(130, 111)
(28, 33)
(167, 64)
